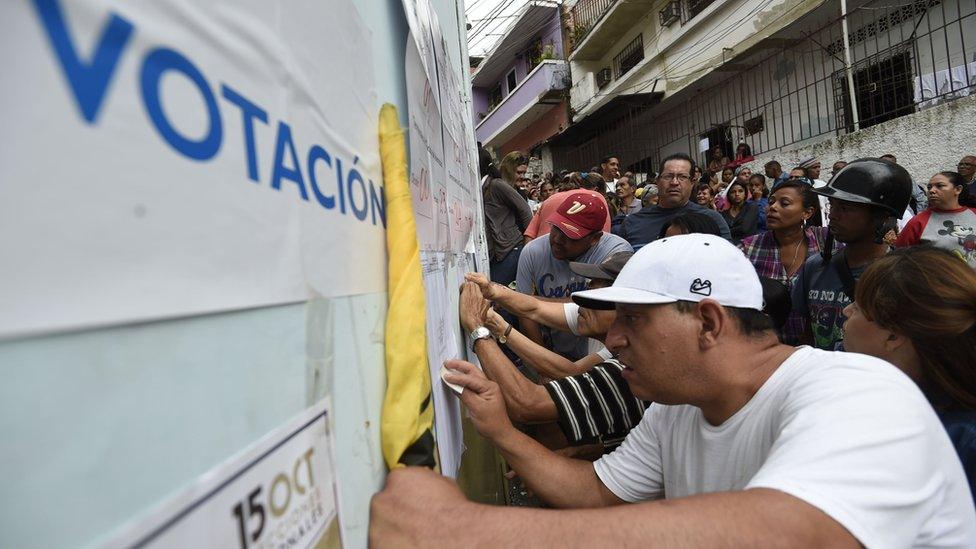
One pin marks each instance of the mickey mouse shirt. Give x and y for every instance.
(953, 230)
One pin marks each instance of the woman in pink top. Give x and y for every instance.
(949, 222)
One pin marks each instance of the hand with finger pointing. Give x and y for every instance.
(486, 286)
(482, 397)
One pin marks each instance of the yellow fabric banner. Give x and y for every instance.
(408, 412)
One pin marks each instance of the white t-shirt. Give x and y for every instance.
(594, 346)
(846, 433)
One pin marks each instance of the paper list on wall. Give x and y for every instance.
(442, 323)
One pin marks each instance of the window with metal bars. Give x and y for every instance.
(629, 57)
(697, 6)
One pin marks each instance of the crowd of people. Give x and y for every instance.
(782, 359)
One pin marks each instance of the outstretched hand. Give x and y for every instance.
(411, 510)
(482, 397)
(487, 287)
(472, 307)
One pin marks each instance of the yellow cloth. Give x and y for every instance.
(408, 412)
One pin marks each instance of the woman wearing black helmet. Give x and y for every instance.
(863, 195)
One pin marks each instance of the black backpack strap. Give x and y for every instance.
(839, 261)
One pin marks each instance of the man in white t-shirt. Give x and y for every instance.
(753, 443)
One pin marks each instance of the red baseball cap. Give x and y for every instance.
(580, 215)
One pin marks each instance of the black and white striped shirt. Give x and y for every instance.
(596, 406)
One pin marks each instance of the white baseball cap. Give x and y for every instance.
(688, 267)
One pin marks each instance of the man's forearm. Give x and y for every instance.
(546, 362)
(558, 480)
(751, 518)
(525, 401)
(550, 313)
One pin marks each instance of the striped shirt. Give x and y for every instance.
(596, 406)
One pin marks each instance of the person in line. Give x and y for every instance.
(627, 202)
(728, 175)
(751, 442)
(513, 167)
(575, 234)
(916, 308)
(811, 168)
(717, 161)
(780, 252)
(506, 216)
(674, 197)
(743, 155)
(820, 216)
(539, 224)
(774, 171)
(919, 199)
(704, 196)
(862, 197)
(949, 222)
(589, 401)
(759, 194)
(836, 167)
(546, 189)
(609, 171)
(649, 196)
(967, 169)
(741, 216)
(689, 223)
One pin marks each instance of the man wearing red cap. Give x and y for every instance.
(576, 234)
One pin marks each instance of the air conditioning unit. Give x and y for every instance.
(671, 13)
(603, 78)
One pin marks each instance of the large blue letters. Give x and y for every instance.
(157, 62)
(88, 82)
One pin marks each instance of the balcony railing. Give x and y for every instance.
(550, 75)
(585, 14)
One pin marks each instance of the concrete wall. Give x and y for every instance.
(926, 142)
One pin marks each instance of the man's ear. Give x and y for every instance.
(714, 320)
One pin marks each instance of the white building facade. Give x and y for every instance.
(653, 77)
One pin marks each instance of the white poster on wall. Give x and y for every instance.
(442, 174)
(163, 159)
(280, 492)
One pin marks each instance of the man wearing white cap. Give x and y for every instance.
(753, 443)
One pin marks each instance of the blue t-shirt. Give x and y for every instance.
(819, 299)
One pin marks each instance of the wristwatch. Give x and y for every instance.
(479, 333)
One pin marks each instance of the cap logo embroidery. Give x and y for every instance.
(576, 208)
(701, 287)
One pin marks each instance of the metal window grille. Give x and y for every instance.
(697, 6)
(629, 57)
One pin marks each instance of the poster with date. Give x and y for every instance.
(280, 492)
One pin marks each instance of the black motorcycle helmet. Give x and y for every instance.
(872, 181)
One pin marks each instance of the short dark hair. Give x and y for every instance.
(606, 159)
(772, 163)
(692, 222)
(751, 322)
(678, 156)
